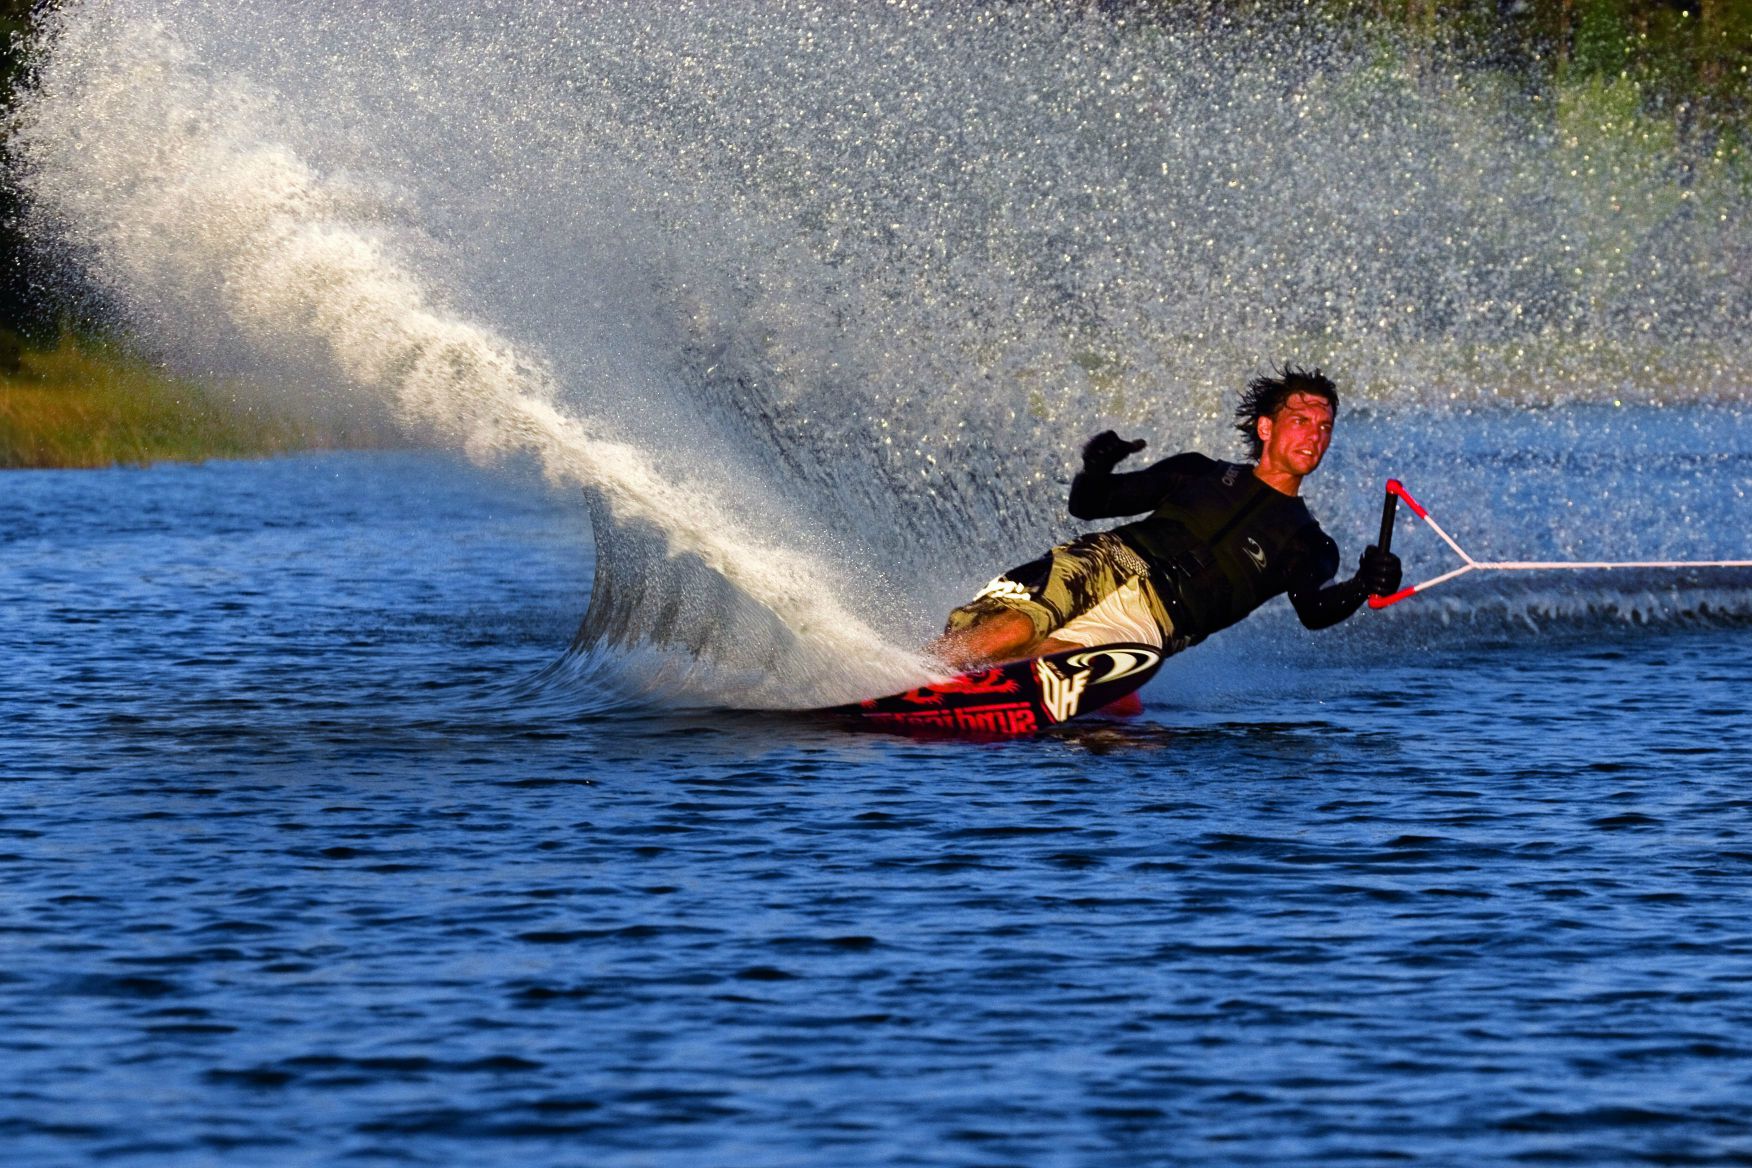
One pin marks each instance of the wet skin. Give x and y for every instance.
(1296, 438)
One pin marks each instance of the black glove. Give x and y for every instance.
(1379, 571)
(1104, 451)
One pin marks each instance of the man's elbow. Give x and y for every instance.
(1321, 620)
(1081, 504)
(1328, 607)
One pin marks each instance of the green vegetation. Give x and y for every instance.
(69, 400)
(86, 404)
(1685, 63)
(1690, 59)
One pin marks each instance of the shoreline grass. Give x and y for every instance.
(85, 404)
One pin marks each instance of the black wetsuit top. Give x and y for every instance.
(1220, 542)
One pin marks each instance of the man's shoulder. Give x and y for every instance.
(1192, 462)
(1319, 550)
(1307, 531)
(1310, 531)
(1182, 467)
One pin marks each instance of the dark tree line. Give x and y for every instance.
(1690, 57)
(25, 302)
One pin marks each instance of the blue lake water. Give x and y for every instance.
(308, 855)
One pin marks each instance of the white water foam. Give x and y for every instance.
(239, 236)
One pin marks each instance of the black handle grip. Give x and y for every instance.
(1389, 509)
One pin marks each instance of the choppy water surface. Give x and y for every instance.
(310, 856)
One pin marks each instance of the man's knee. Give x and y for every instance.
(995, 636)
(1009, 628)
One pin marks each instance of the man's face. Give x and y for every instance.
(1296, 437)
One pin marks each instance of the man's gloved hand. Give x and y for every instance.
(1104, 451)
(1379, 571)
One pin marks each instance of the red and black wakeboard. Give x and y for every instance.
(1017, 698)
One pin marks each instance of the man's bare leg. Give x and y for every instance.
(1001, 637)
(1007, 637)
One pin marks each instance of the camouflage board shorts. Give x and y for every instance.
(1093, 590)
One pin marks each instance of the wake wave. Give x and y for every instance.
(244, 245)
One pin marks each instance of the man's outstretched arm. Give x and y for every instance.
(1321, 608)
(1098, 493)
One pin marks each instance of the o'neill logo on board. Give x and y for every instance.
(1120, 662)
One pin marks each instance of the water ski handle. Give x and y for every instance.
(1389, 511)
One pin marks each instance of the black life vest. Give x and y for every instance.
(1225, 543)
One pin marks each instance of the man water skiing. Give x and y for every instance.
(1220, 540)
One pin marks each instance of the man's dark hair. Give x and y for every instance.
(1265, 396)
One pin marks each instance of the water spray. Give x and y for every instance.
(1396, 491)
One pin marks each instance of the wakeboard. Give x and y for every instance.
(1019, 697)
